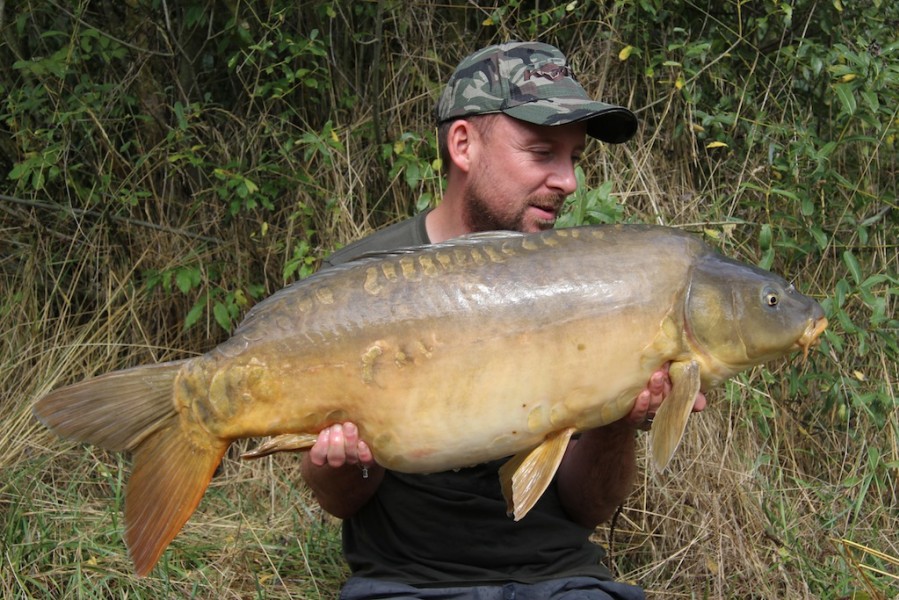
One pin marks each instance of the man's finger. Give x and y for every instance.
(336, 446)
(318, 454)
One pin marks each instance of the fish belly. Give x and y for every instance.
(445, 394)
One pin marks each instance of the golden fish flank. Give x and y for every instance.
(445, 356)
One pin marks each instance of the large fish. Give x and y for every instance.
(445, 356)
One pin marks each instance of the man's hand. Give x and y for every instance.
(341, 470)
(339, 445)
(650, 399)
(592, 489)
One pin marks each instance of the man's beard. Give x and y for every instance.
(480, 215)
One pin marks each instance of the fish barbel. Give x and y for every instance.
(445, 356)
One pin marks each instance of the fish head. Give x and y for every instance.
(739, 316)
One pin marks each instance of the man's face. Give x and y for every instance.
(522, 176)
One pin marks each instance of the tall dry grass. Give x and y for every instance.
(742, 512)
(776, 492)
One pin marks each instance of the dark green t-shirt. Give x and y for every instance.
(451, 528)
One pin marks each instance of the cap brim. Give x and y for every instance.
(605, 122)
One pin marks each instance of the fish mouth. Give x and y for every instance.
(811, 336)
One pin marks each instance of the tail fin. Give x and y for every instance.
(134, 410)
(170, 475)
(115, 411)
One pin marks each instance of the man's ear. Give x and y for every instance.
(462, 142)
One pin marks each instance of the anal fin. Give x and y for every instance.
(526, 475)
(671, 419)
(288, 442)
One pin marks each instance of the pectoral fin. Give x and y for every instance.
(671, 419)
(288, 442)
(526, 475)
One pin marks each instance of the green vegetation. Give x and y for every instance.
(165, 165)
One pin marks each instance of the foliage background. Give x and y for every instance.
(164, 165)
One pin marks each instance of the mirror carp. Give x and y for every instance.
(445, 356)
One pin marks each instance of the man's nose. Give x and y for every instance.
(563, 178)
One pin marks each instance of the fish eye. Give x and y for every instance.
(771, 299)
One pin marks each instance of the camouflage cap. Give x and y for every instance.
(533, 82)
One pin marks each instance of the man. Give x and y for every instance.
(512, 125)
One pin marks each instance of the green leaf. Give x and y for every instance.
(840, 291)
(184, 280)
(875, 280)
(222, 316)
(807, 207)
(194, 314)
(820, 237)
(767, 259)
(765, 237)
(179, 115)
(852, 264)
(20, 170)
(871, 100)
(412, 174)
(846, 97)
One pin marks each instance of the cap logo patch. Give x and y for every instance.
(551, 72)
